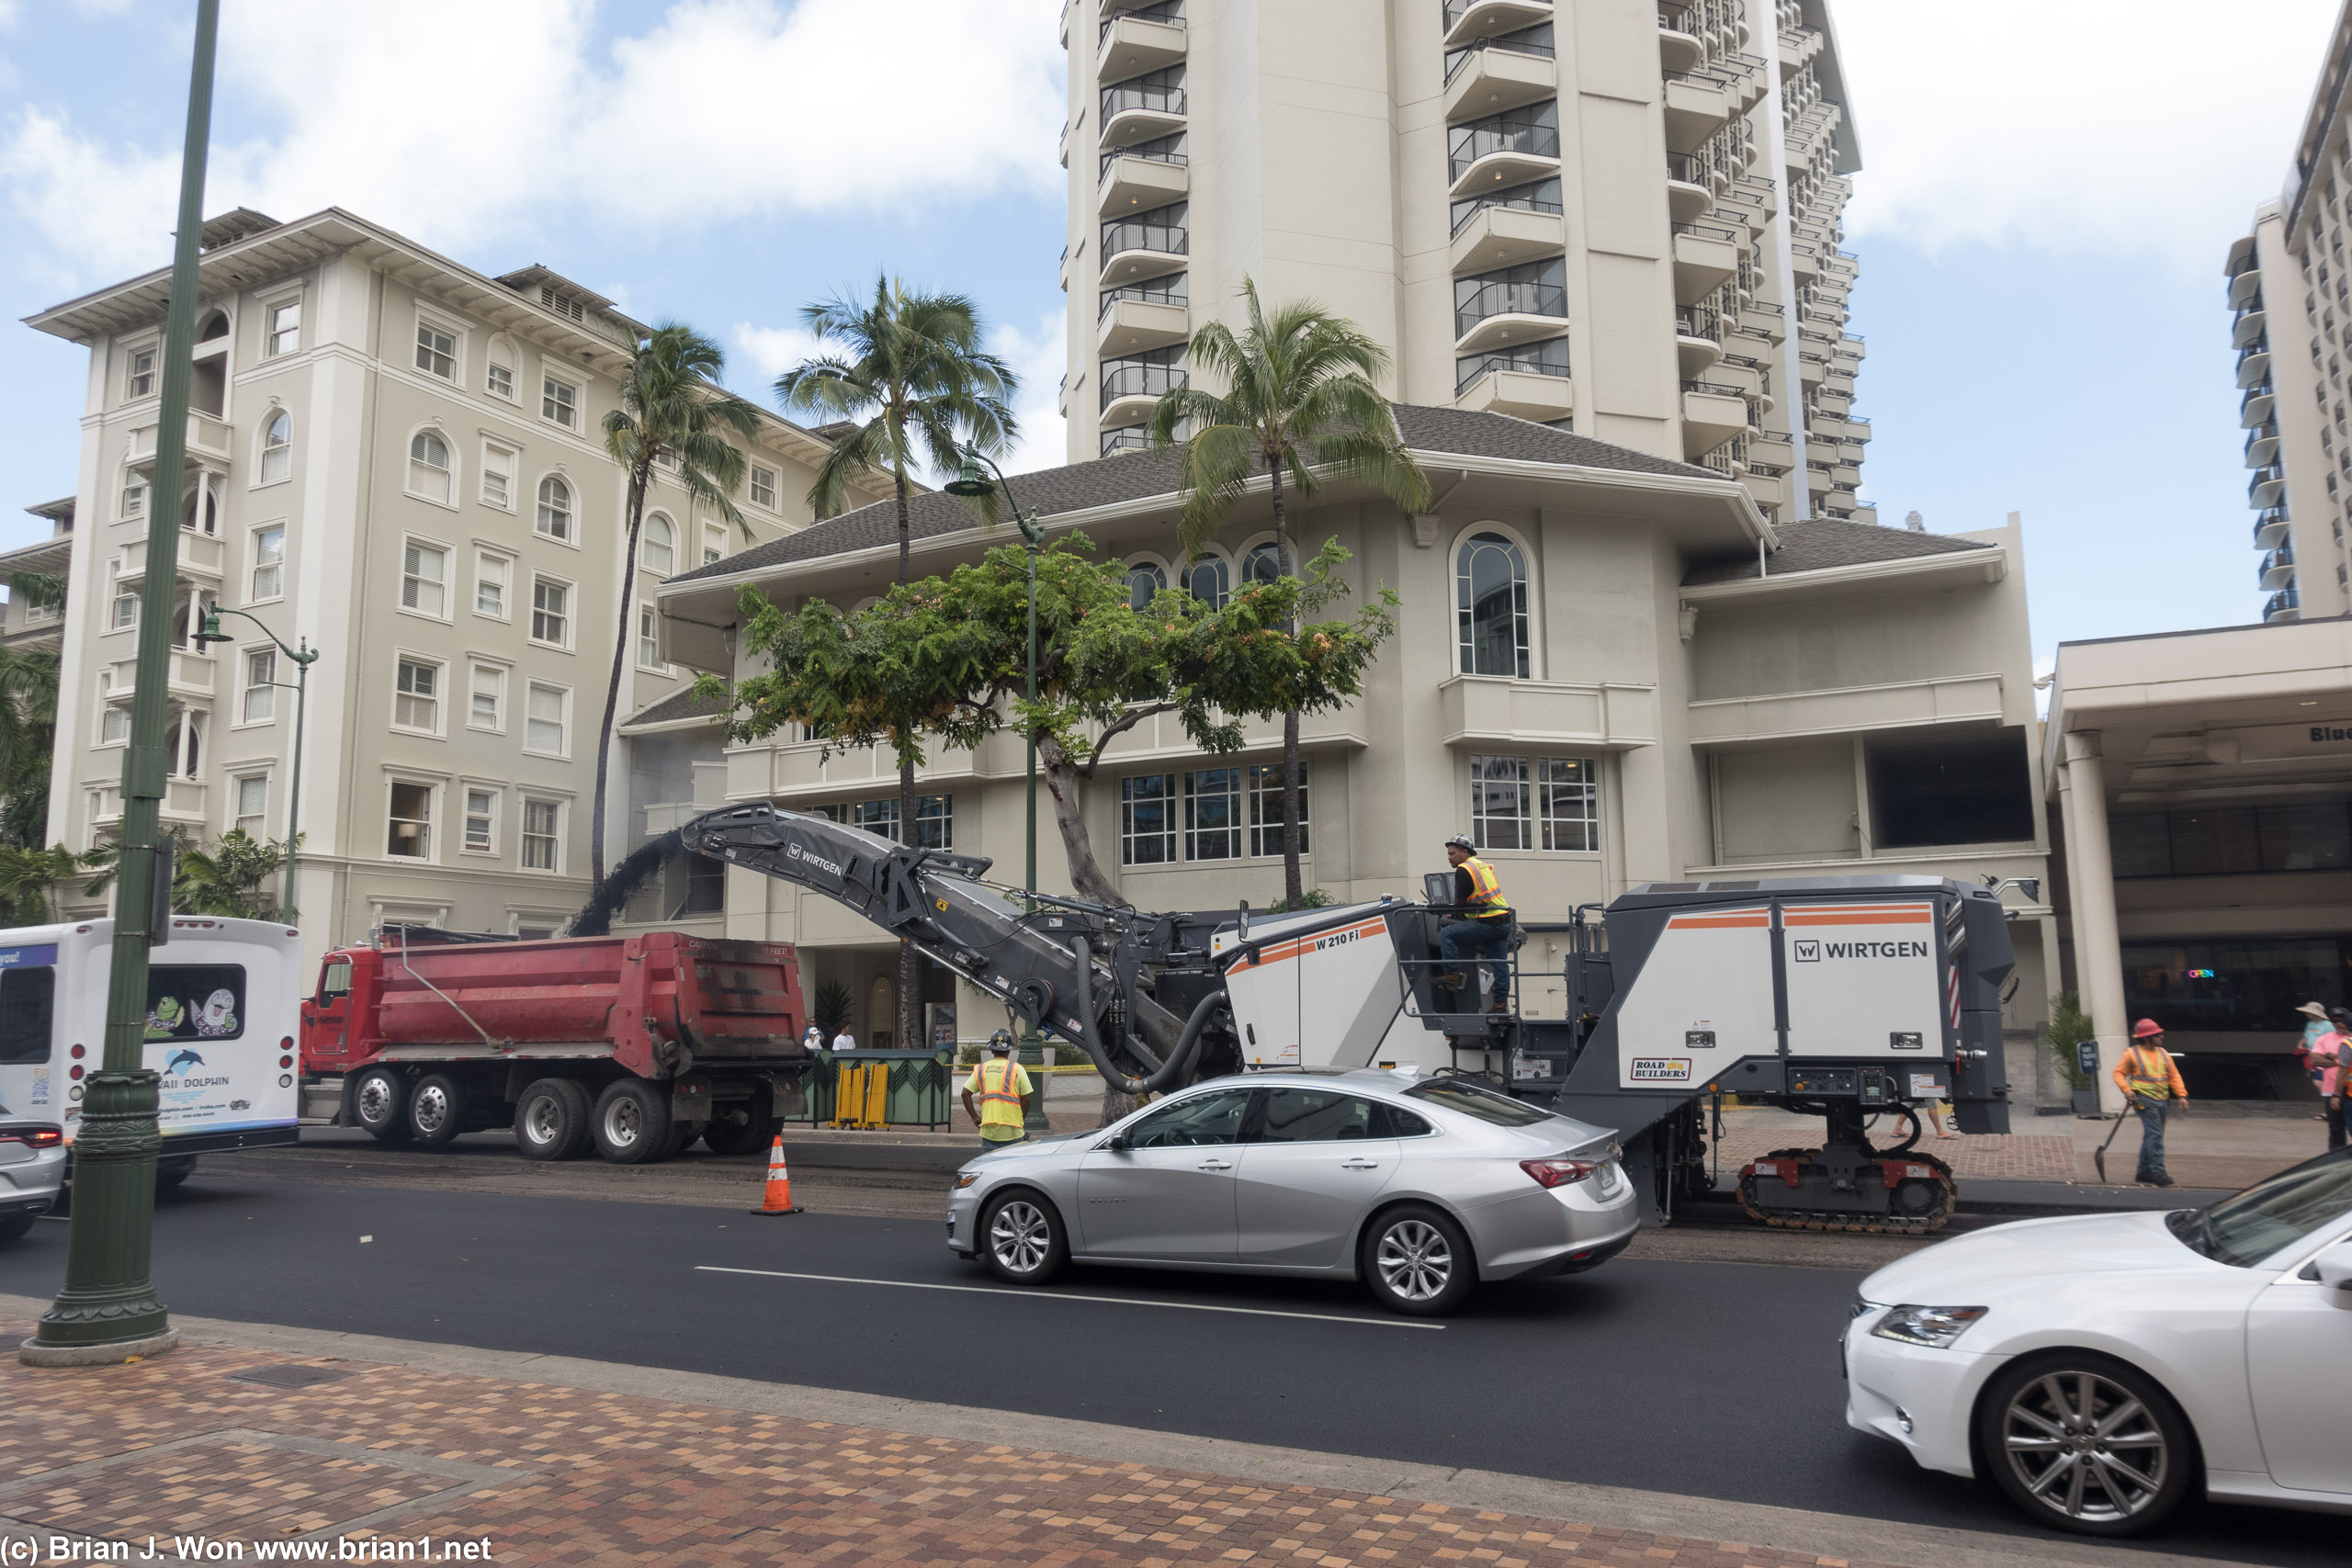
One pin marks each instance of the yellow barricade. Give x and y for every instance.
(862, 1095)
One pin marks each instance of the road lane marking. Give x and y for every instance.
(1072, 1296)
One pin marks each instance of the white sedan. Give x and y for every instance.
(2101, 1368)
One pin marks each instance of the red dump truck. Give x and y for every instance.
(635, 1044)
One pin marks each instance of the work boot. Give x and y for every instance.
(2160, 1180)
(1499, 1005)
(1450, 982)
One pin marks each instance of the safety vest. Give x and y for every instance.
(1000, 1098)
(2149, 1080)
(1486, 890)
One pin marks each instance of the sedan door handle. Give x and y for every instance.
(1216, 1165)
(1358, 1164)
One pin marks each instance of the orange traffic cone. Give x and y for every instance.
(778, 1199)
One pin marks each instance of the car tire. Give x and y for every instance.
(1415, 1260)
(438, 1108)
(2121, 1472)
(16, 1227)
(1022, 1238)
(722, 1134)
(379, 1105)
(631, 1124)
(171, 1170)
(551, 1120)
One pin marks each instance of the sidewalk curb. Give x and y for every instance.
(1616, 1508)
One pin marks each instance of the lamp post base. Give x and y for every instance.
(33, 1353)
(1035, 1056)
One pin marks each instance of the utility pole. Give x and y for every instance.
(108, 1312)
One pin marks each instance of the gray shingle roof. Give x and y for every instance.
(1820, 543)
(1137, 475)
(680, 703)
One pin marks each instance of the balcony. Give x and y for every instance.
(2261, 447)
(2245, 288)
(1694, 348)
(1713, 414)
(1131, 386)
(1769, 490)
(2247, 330)
(1518, 146)
(199, 555)
(1141, 316)
(1514, 305)
(2257, 407)
(2253, 366)
(2265, 487)
(190, 676)
(1492, 232)
(2242, 258)
(1706, 256)
(1529, 380)
(1846, 710)
(2270, 528)
(1690, 187)
(182, 801)
(1136, 179)
(1698, 103)
(1144, 109)
(1680, 47)
(1145, 245)
(1764, 318)
(1772, 451)
(1148, 38)
(207, 438)
(1500, 73)
(2277, 568)
(1465, 20)
(1489, 711)
(1857, 428)
(2286, 604)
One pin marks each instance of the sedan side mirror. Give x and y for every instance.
(2333, 1267)
(1116, 1141)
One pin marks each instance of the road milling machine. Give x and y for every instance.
(1863, 1000)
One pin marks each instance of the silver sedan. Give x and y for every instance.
(1418, 1186)
(32, 1171)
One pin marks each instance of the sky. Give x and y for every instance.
(2047, 191)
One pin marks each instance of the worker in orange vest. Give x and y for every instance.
(2150, 1080)
(992, 1095)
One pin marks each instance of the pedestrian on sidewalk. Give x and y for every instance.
(2329, 1061)
(999, 1084)
(2150, 1080)
(844, 1041)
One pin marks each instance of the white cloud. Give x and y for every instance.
(2153, 129)
(769, 352)
(1038, 357)
(725, 108)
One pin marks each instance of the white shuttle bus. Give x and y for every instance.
(222, 1008)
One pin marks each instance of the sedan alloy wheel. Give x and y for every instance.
(2088, 1444)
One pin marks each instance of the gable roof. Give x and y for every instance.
(1139, 476)
(680, 706)
(1818, 543)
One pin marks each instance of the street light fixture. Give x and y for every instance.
(971, 484)
(209, 631)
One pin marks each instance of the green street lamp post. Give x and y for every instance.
(209, 632)
(972, 484)
(107, 1311)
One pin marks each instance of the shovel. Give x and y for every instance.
(2098, 1158)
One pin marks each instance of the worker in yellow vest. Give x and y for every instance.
(993, 1095)
(1484, 930)
(2150, 1080)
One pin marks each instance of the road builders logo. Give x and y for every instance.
(1811, 950)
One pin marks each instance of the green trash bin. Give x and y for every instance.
(921, 1087)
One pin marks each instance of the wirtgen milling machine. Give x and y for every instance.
(1859, 999)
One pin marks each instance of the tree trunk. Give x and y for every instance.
(911, 1031)
(1062, 781)
(613, 687)
(1294, 886)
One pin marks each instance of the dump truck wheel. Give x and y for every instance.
(436, 1110)
(551, 1120)
(380, 1104)
(681, 1134)
(632, 1123)
(725, 1135)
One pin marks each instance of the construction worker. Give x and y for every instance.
(993, 1095)
(2150, 1080)
(2330, 1064)
(1485, 929)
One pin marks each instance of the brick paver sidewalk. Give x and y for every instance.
(192, 1444)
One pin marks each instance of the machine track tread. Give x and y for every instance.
(1832, 1220)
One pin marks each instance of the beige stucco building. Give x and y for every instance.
(1608, 670)
(399, 461)
(1616, 217)
(28, 621)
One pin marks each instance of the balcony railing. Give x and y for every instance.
(1723, 390)
(1170, 12)
(2253, 350)
(1143, 376)
(1169, 290)
(1535, 40)
(1159, 92)
(1532, 131)
(1711, 231)
(2272, 474)
(1549, 357)
(1159, 150)
(1162, 229)
(2281, 560)
(2267, 519)
(1539, 289)
(2267, 430)
(2286, 602)
(1125, 438)
(1537, 196)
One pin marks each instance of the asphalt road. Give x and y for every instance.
(1719, 1380)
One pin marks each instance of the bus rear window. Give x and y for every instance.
(195, 1002)
(28, 997)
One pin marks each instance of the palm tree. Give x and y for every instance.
(28, 738)
(671, 410)
(910, 374)
(1300, 401)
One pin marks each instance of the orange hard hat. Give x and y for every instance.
(2146, 1028)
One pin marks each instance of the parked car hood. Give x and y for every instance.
(2040, 1253)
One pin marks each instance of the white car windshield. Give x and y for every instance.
(2245, 1229)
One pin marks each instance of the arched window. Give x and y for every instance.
(1490, 603)
(555, 510)
(658, 550)
(1209, 577)
(215, 325)
(278, 448)
(428, 467)
(499, 378)
(1145, 578)
(1262, 564)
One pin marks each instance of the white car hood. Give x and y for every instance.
(2040, 1254)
